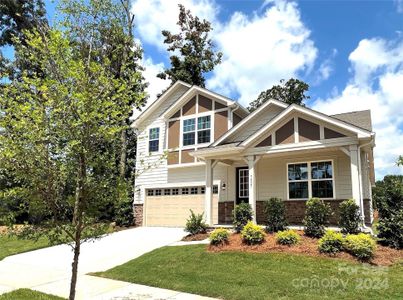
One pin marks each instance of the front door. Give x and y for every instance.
(242, 185)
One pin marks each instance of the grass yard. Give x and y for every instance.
(240, 275)
(10, 245)
(26, 294)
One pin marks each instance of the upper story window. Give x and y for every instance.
(154, 139)
(203, 130)
(311, 179)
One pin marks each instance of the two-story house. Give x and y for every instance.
(203, 151)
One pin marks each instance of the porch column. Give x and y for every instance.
(355, 176)
(252, 160)
(208, 202)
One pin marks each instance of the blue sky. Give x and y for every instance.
(350, 52)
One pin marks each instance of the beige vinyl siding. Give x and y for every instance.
(272, 174)
(255, 124)
(158, 173)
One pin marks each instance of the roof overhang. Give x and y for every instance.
(156, 103)
(193, 91)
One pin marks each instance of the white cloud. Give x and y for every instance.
(377, 77)
(153, 16)
(325, 69)
(260, 50)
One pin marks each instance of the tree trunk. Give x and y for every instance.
(78, 222)
(123, 154)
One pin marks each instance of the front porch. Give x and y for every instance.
(330, 173)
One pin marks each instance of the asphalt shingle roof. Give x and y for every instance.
(360, 118)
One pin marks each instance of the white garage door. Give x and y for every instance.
(174, 210)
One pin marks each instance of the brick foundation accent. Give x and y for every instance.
(138, 214)
(225, 210)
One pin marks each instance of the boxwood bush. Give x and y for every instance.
(361, 245)
(252, 234)
(287, 237)
(331, 243)
(274, 210)
(316, 216)
(195, 224)
(242, 214)
(219, 236)
(350, 217)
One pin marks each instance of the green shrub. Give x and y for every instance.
(275, 215)
(242, 214)
(331, 242)
(360, 245)
(195, 224)
(287, 237)
(124, 215)
(252, 234)
(219, 236)
(388, 198)
(350, 217)
(316, 216)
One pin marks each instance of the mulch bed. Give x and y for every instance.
(384, 256)
(196, 237)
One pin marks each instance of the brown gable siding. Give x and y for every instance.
(236, 119)
(266, 142)
(220, 124)
(186, 157)
(205, 104)
(285, 135)
(190, 107)
(177, 114)
(308, 131)
(173, 158)
(173, 134)
(331, 134)
(218, 105)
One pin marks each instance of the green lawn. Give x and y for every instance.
(238, 275)
(10, 245)
(26, 294)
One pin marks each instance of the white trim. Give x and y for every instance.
(360, 132)
(185, 165)
(296, 130)
(178, 184)
(250, 116)
(310, 180)
(156, 103)
(321, 132)
(160, 147)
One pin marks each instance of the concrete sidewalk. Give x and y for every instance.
(49, 270)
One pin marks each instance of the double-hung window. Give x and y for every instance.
(312, 179)
(200, 134)
(153, 139)
(203, 129)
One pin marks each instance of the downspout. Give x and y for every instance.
(360, 184)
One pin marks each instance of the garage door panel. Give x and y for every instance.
(174, 210)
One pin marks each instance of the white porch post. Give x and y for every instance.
(355, 176)
(208, 202)
(252, 184)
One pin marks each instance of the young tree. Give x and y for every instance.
(291, 91)
(193, 50)
(57, 129)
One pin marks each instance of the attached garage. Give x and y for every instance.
(174, 210)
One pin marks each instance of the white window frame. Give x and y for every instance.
(239, 183)
(310, 180)
(159, 139)
(196, 117)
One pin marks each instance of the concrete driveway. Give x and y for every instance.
(48, 269)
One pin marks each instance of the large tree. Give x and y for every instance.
(290, 91)
(193, 52)
(59, 126)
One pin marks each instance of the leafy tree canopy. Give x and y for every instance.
(290, 91)
(193, 50)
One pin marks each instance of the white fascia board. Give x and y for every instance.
(361, 133)
(211, 152)
(178, 184)
(311, 145)
(154, 105)
(246, 120)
